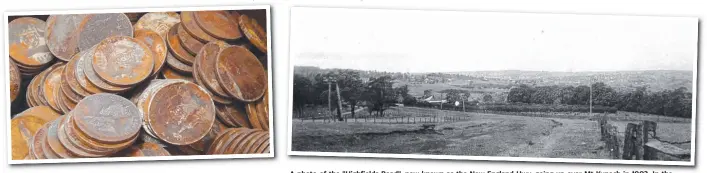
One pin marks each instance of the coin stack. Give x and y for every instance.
(240, 141)
(28, 46)
(85, 65)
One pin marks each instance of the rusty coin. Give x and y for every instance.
(80, 73)
(62, 34)
(181, 113)
(28, 45)
(218, 99)
(218, 24)
(241, 74)
(54, 142)
(191, 44)
(175, 46)
(206, 64)
(123, 61)
(38, 141)
(148, 149)
(107, 117)
(235, 113)
(22, 129)
(178, 65)
(157, 45)
(254, 32)
(15, 82)
(194, 29)
(93, 77)
(50, 87)
(169, 73)
(160, 22)
(96, 27)
(203, 144)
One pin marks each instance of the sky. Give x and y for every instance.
(451, 41)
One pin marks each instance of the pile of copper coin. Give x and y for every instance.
(138, 84)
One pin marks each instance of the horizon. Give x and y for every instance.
(299, 66)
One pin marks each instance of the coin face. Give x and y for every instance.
(254, 32)
(96, 27)
(194, 29)
(175, 46)
(181, 113)
(159, 22)
(92, 76)
(123, 61)
(62, 34)
(206, 60)
(38, 141)
(241, 74)
(191, 44)
(107, 117)
(22, 129)
(157, 45)
(218, 24)
(80, 73)
(27, 43)
(15, 81)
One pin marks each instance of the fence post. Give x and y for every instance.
(640, 141)
(629, 137)
(614, 140)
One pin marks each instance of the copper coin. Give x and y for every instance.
(27, 43)
(236, 113)
(63, 34)
(54, 141)
(60, 101)
(220, 139)
(96, 27)
(123, 61)
(244, 143)
(237, 142)
(146, 138)
(224, 118)
(15, 82)
(191, 44)
(95, 146)
(37, 142)
(145, 98)
(260, 143)
(206, 60)
(69, 76)
(241, 74)
(194, 29)
(43, 85)
(93, 77)
(45, 145)
(22, 129)
(248, 147)
(253, 116)
(181, 113)
(178, 65)
(218, 24)
(169, 73)
(160, 22)
(80, 73)
(66, 88)
(51, 85)
(225, 141)
(107, 117)
(157, 45)
(254, 32)
(258, 109)
(175, 46)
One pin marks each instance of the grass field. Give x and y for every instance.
(479, 134)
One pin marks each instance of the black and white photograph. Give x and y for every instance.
(498, 86)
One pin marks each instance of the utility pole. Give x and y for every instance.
(590, 96)
(338, 96)
(328, 80)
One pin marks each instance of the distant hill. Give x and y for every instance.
(655, 80)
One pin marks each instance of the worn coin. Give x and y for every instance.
(107, 117)
(169, 73)
(194, 29)
(218, 99)
(191, 44)
(63, 34)
(157, 44)
(92, 76)
(206, 60)
(96, 27)
(235, 114)
(28, 45)
(15, 81)
(147, 149)
(218, 24)
(80, 73)
(175, 46)
(178, 65)
(38, 141)
(254, 32)
(54, 141)
(123, 61)
(241, 74)
(51, 85)
(22, 129)
(181, 113)
(160, 22)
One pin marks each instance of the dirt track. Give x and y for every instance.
(482, 135)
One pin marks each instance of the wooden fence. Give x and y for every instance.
(639, 142)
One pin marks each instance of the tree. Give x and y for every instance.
(521, 94)
(301, 92)
(603, 94)
(380, 94)
(488, 98)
